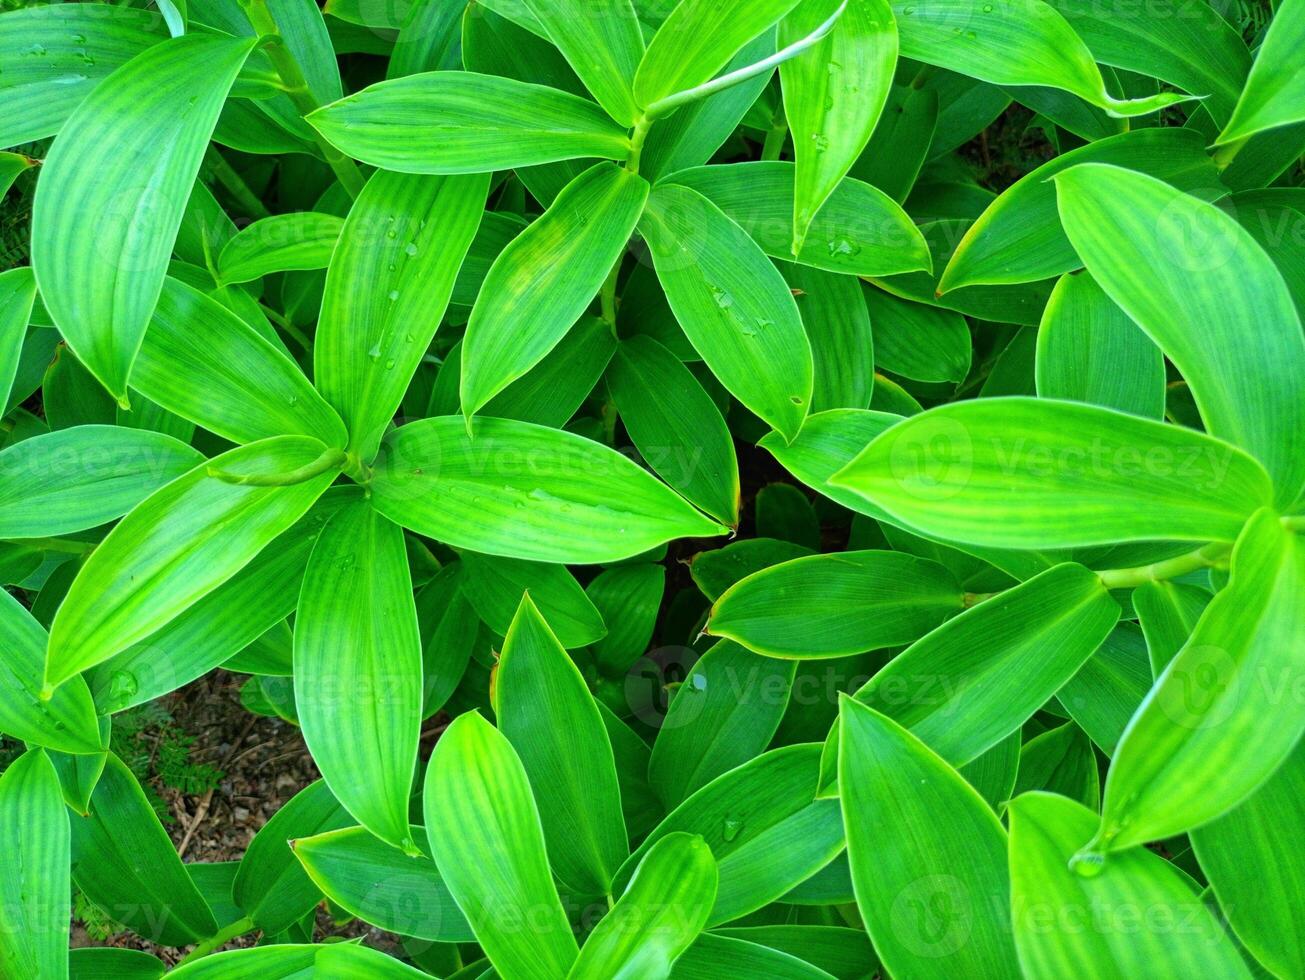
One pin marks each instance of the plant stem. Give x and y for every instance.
(235, 185)
(218, 939)
(607, 297)
(1295, 523)
(297, 335)
(296, 86)
(774, 145)
(1130, 578)
(330, 459)
(637, 139)
(1226, 153)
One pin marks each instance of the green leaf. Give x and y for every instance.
(289, 961)
(1090, 351)
(993, 773)
(860, 230)
(603, 43)
(525, 491)
(460, 122)
(723, 714)
(17, 295)
(1018, 238)
(545, 710)
(55, 55)
(662, 911)
(1036, 473)
(66, 722)
(111, 962)
(545, 279)
(34, 842)
(697, 40)
(1216, 724)
(201, 361)
(1094, 928)
(1276, 86)
(124, 862)
(82, 477)
(129, 155)
(1171, 262)
(972, 681)
(837, 325)
(845, 953)
(304, 240)
(270, 887)
(1260, 888)
(386, 290)
(834, 605)
(733, 305)
(764, 826)
(450, 630)
(485, 837)
(928, 855)
(834, 93)
(1029, 44)
(1167, 613)
(553, 390)
(917, 341)
(1061, 761)
(628, 598)
(358, 670)
(716, 570)
(676, 426)
(713, 956)
(177, 546)
(394, 891)
(1106, 691)
(495, 586)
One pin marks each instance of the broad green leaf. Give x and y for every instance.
(834, 605)
(916, 341)
(676, 426)
(66, 721)
(972, 681)
(525, 491)
(386, 290)
(1172, 262)
(834, 93)
(17, 294)
(81, 477)
(1061, 761)
(220, 625)
(716, 570)
(1217, 722)
(450, 630)
(1018, 238)
(1107, 689)
(394, 891)
(732, 304)
(1276, 86)
(723, 714)
(199, 360)
(661, 912)
(545, 710)
(697, 40)
(1140, 917)
(993, 773)
(34, 855)
(12, 166)
(495, 231)
(603, 43)
(459, 122)
(495, 586)
(860, 230)
(837, 325)
(177, 546)
(1090, 351)
(56, 54)
(112, 962)
(1012, 44)
(1248, 856)
(485, 837)
(358, 670)
(1037, 473)
(1167, 612)
(304, 240)
(553, 390)
(124, 862)
(270, 887)
(928, 855)
(129, 155)
(628, 597)
(713, 956)
(545, 279)
(840, 951)
(289, 961)
(764, 826)
(639, 805)
(429, 39)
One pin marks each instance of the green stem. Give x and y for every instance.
(1225, 154)
(607, 298)
(62, 545)
(235, 185)
(1295, 523)
(774, 145)
(296, 86)
(218, 939)
(284, 323)
(1131, 578)
(331, 459)
(637, 139)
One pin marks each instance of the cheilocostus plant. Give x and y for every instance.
(727, 488)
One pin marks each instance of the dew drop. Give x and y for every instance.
(411, 248)
(730, 829)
